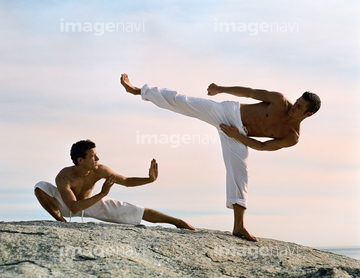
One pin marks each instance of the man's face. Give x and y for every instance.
(91, 160)
(298, 109)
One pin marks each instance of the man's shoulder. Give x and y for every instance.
(102, 171)
(64, 176)
(279, 102)
(101, 168)
(65, 171)
(283, 100)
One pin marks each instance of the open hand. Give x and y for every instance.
(153, 170)
(109, 182)
(230, 130)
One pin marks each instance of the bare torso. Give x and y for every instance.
(267, 120)
(82, 187)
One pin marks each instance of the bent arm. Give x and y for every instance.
(270, 145)
(70, 199)
(134, 181)
(238, 91)
(131, 181)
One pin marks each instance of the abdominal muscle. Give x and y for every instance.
(253, 117)
(264, 120)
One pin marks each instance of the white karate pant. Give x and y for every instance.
(107, 209)
(235, 154)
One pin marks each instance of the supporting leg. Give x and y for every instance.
(239, 227)
(49, 204)
(154, 216)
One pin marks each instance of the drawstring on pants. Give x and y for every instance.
(82, 216)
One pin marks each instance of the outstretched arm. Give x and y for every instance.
(134, 181)
(270, 145)
(262, 95)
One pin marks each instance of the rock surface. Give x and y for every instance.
(55, 249)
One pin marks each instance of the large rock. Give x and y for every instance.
(55, 249)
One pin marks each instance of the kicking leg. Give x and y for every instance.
(154, 216)
(239, 228)
(209, 111)
(49, 204)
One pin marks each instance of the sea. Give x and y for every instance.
(352, 252)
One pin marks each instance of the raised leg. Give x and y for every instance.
(154, 216)
(49, 204)
(209, 111)
(239, 227)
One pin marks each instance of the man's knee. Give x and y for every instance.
(41, 195)
(146, 213)
(149, 214)
(38, 192)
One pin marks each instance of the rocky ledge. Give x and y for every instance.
(54, 249)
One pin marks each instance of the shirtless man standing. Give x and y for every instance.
(74, 196)
(273, 117)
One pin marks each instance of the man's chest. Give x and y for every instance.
(275, 124)
(83, 187)
(277, 130)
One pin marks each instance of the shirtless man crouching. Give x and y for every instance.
(274, 116)
(74, 196)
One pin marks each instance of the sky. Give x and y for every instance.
(60, 68)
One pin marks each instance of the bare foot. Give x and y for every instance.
(182, 224)
(242, 232)
(124, 80)
(57, 215)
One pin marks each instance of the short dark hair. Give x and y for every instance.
(80, 148)
(313, 100)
